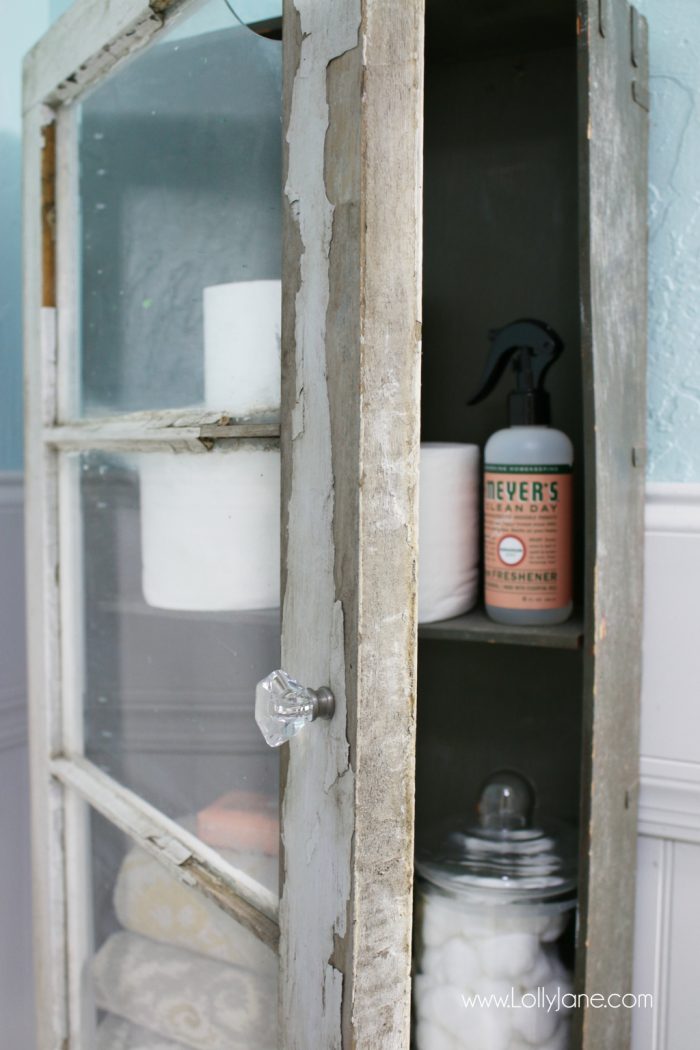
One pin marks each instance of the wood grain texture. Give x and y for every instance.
(390, 340)
(613, 203)
(350, 453)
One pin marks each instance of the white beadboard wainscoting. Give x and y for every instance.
(667, 959)
(668, 899)
(16, 977)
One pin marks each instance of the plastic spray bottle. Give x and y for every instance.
(527, 486)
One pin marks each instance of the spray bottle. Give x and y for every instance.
(527, 486)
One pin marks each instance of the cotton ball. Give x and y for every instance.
(555, 926)
(542, 971)
(561, 986)
(437, 926)
(475, 1027)
(509, 955)
(560, 1039)
(477, 924)
(431, 1036)
(461, 965)
(487, 1028)
(535, 1023)
(443, 1005)
(469, 924)
(494, 990)
(520, 921)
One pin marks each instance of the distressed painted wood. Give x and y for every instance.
(351, 339)
(151, 432)
(85, 43)
(613, 145)
(49, 893)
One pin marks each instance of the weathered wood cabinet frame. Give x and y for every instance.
(350, 439)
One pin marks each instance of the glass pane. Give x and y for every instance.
(178, 618)
(166, 969)
(180, 228)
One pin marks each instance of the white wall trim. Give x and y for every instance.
(672, 507)
(669, 801)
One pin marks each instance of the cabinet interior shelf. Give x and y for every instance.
(476, 626)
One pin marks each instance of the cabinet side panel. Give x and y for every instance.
(613, 209)
(391, 286)
(350, 438)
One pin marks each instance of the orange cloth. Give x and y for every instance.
(241, 820)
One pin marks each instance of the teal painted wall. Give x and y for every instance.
(674, 240)
(674, 197)
(20, 26)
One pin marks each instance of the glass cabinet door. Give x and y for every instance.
(222, 316)
(161, 472)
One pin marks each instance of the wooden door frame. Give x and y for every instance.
(350, 447)
(90, 40)
(613, 140)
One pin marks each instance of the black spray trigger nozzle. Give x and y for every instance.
(532, 346)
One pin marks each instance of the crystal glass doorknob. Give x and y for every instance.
(284, 706)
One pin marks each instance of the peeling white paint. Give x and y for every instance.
(319, 778)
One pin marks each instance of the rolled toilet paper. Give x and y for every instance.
(210, 525)
(448, 563)
(242, 323)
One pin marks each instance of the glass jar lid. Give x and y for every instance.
(504, 856)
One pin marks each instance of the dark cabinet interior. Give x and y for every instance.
(505, 231)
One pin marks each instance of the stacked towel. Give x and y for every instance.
(184, 997)
(187, 976)
(149, 900)
(115, 1033)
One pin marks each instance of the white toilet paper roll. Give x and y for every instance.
(210, 527)
(448, 564)
(242, 324)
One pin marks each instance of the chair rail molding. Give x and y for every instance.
(670, 740)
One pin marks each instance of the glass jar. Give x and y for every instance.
(494, 901)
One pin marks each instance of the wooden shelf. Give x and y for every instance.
(476, 626)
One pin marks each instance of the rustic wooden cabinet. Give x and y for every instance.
(443, 171)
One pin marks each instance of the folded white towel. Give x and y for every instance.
(114, 1033)
(185, 997)
(151, 901)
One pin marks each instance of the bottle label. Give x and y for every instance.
(527, 536)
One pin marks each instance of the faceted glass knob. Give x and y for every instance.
(284, 706)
